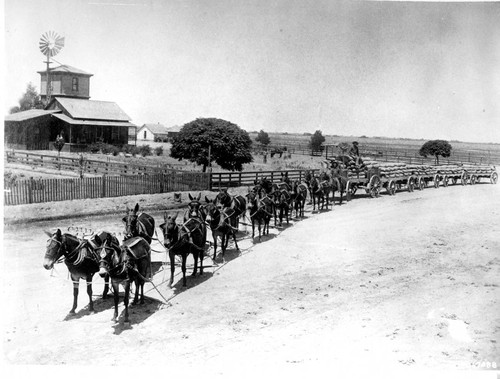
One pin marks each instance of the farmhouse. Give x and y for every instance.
(71, 114)
(152, 132)
(156, 132)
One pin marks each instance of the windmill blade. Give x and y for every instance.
(50, 43)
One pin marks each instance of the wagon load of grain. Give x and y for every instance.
(478, 169)
(450, 169)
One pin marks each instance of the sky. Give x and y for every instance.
(394, 69)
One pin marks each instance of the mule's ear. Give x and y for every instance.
(165, 216)
(175, 217)
(124, 220)
(190, 197)
(225, 190)
(58, 233)
(206, 200)
(48, 233)
(136, 208)
(199, 197)
(98, 240)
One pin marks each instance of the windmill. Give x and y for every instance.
(50, 44)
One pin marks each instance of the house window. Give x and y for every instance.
(75, 84)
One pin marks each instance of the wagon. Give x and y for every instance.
(368, 179)
(473, 174)
(400, 176)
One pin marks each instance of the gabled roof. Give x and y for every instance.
(156, 128)
(31, 113)
(90, 109)
(66, 69)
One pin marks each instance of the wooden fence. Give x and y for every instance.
(83, 166)
(247, 178)
(29, 191)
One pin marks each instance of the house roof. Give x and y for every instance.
(31, 113)
(91, 109)
(175, 128)
(66, 69)
(156, 128)
(72, 121)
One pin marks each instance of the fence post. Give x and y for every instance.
(30, 190)
(103, 188)
(239, 180)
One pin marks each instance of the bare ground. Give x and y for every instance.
(397, 284)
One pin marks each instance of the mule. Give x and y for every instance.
(237, 204)
(127, 263)
(220, 222)
(138, 224)
(299, 196)
(264, 184)
(182, 240)
(261, 210)
(283, 205)
(320, 190)
(338, 184)
(81, 258)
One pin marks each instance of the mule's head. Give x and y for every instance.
(194, 207)
(131, 222)
(170, 230)
(212, 209)
(223, 199)
(106, 251)
(55, 249)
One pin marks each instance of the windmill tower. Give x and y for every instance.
(50, 44)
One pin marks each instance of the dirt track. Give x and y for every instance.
(395, 282)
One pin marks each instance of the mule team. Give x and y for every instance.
(131, 260)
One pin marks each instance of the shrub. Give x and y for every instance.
(159, 150)
(145, 150)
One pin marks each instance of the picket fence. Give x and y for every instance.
(27, 191)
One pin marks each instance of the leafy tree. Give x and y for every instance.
(263, 138)
(316, 140)
(437, 148)
(230, 146)
(30, 100)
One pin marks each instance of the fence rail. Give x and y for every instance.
(29, 191)
(247, 178)
(83, 166)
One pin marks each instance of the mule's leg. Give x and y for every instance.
(172, 268)
(126, 300)
(76, 282)
(136, 294)
(184, 259)
(89, 292)
(214, 235)
(106, 287)
(235, 242)
(116, 289)
(195, 257)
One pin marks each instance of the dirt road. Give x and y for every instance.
(405, 281)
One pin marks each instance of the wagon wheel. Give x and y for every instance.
(494, 178)
(472, 180)
(391, 187)
(410, 185)
(464, 178)
(445, 181)
(420, 183)
(374, 186)
(436, 181)
(348, 191)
